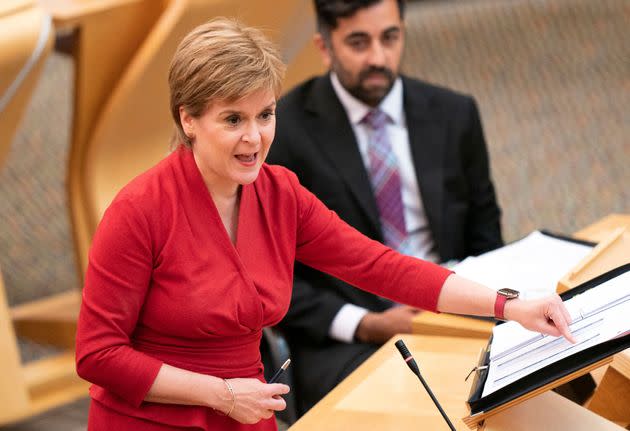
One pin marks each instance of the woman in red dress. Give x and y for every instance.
(195, 256)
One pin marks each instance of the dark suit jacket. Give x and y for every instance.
(314, 138)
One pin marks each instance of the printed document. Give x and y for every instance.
(599, 314)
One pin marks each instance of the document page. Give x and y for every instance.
(599, 314)
(532, 265)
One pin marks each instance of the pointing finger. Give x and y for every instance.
(560, 322)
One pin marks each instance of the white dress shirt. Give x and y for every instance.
(419, 241)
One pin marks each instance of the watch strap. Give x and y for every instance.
(499, 306)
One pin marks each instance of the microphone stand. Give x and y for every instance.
(411, 363)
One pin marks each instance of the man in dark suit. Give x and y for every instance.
(418, 180)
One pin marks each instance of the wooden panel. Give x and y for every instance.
(49, 374)
(10, 7)
(612, 397)
(52, 382)
(426, 323)
(548, 411)
(51, 320)
(13, 394)
(612, 252)
(73, 13)
(601, 229)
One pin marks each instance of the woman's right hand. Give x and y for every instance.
(255, 400)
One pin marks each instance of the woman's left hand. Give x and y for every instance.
(547, 315)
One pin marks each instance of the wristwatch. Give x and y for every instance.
(503, 295)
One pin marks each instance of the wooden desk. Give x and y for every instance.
(603, 227)
(382, 394)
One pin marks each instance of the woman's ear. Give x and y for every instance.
(187, 121)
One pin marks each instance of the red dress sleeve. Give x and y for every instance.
(116, 282)
(327, 243)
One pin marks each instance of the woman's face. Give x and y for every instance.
(231, 139)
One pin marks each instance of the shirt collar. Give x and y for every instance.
(392, 104)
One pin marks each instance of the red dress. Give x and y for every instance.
(164, 284)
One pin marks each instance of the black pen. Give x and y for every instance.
(281, 370)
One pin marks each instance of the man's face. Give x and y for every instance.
(365, 50)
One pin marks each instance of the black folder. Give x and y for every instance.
(555, 372)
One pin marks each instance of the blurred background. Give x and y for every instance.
(552, 79)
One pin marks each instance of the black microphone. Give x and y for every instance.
(400, 345)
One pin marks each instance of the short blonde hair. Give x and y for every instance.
(221, 60)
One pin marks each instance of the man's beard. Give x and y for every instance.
(370, 96)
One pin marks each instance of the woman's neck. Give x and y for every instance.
(226, 196)
(228, 208)
(220, 188)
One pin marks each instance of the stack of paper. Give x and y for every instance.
(532, 265)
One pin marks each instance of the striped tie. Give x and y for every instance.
(383, 171)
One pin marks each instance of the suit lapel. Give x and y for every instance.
(337, 141)
(425, 130)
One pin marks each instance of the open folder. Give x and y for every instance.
(519, 364)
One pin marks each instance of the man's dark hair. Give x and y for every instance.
(329, 11)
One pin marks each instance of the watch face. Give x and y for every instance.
(508, 293)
